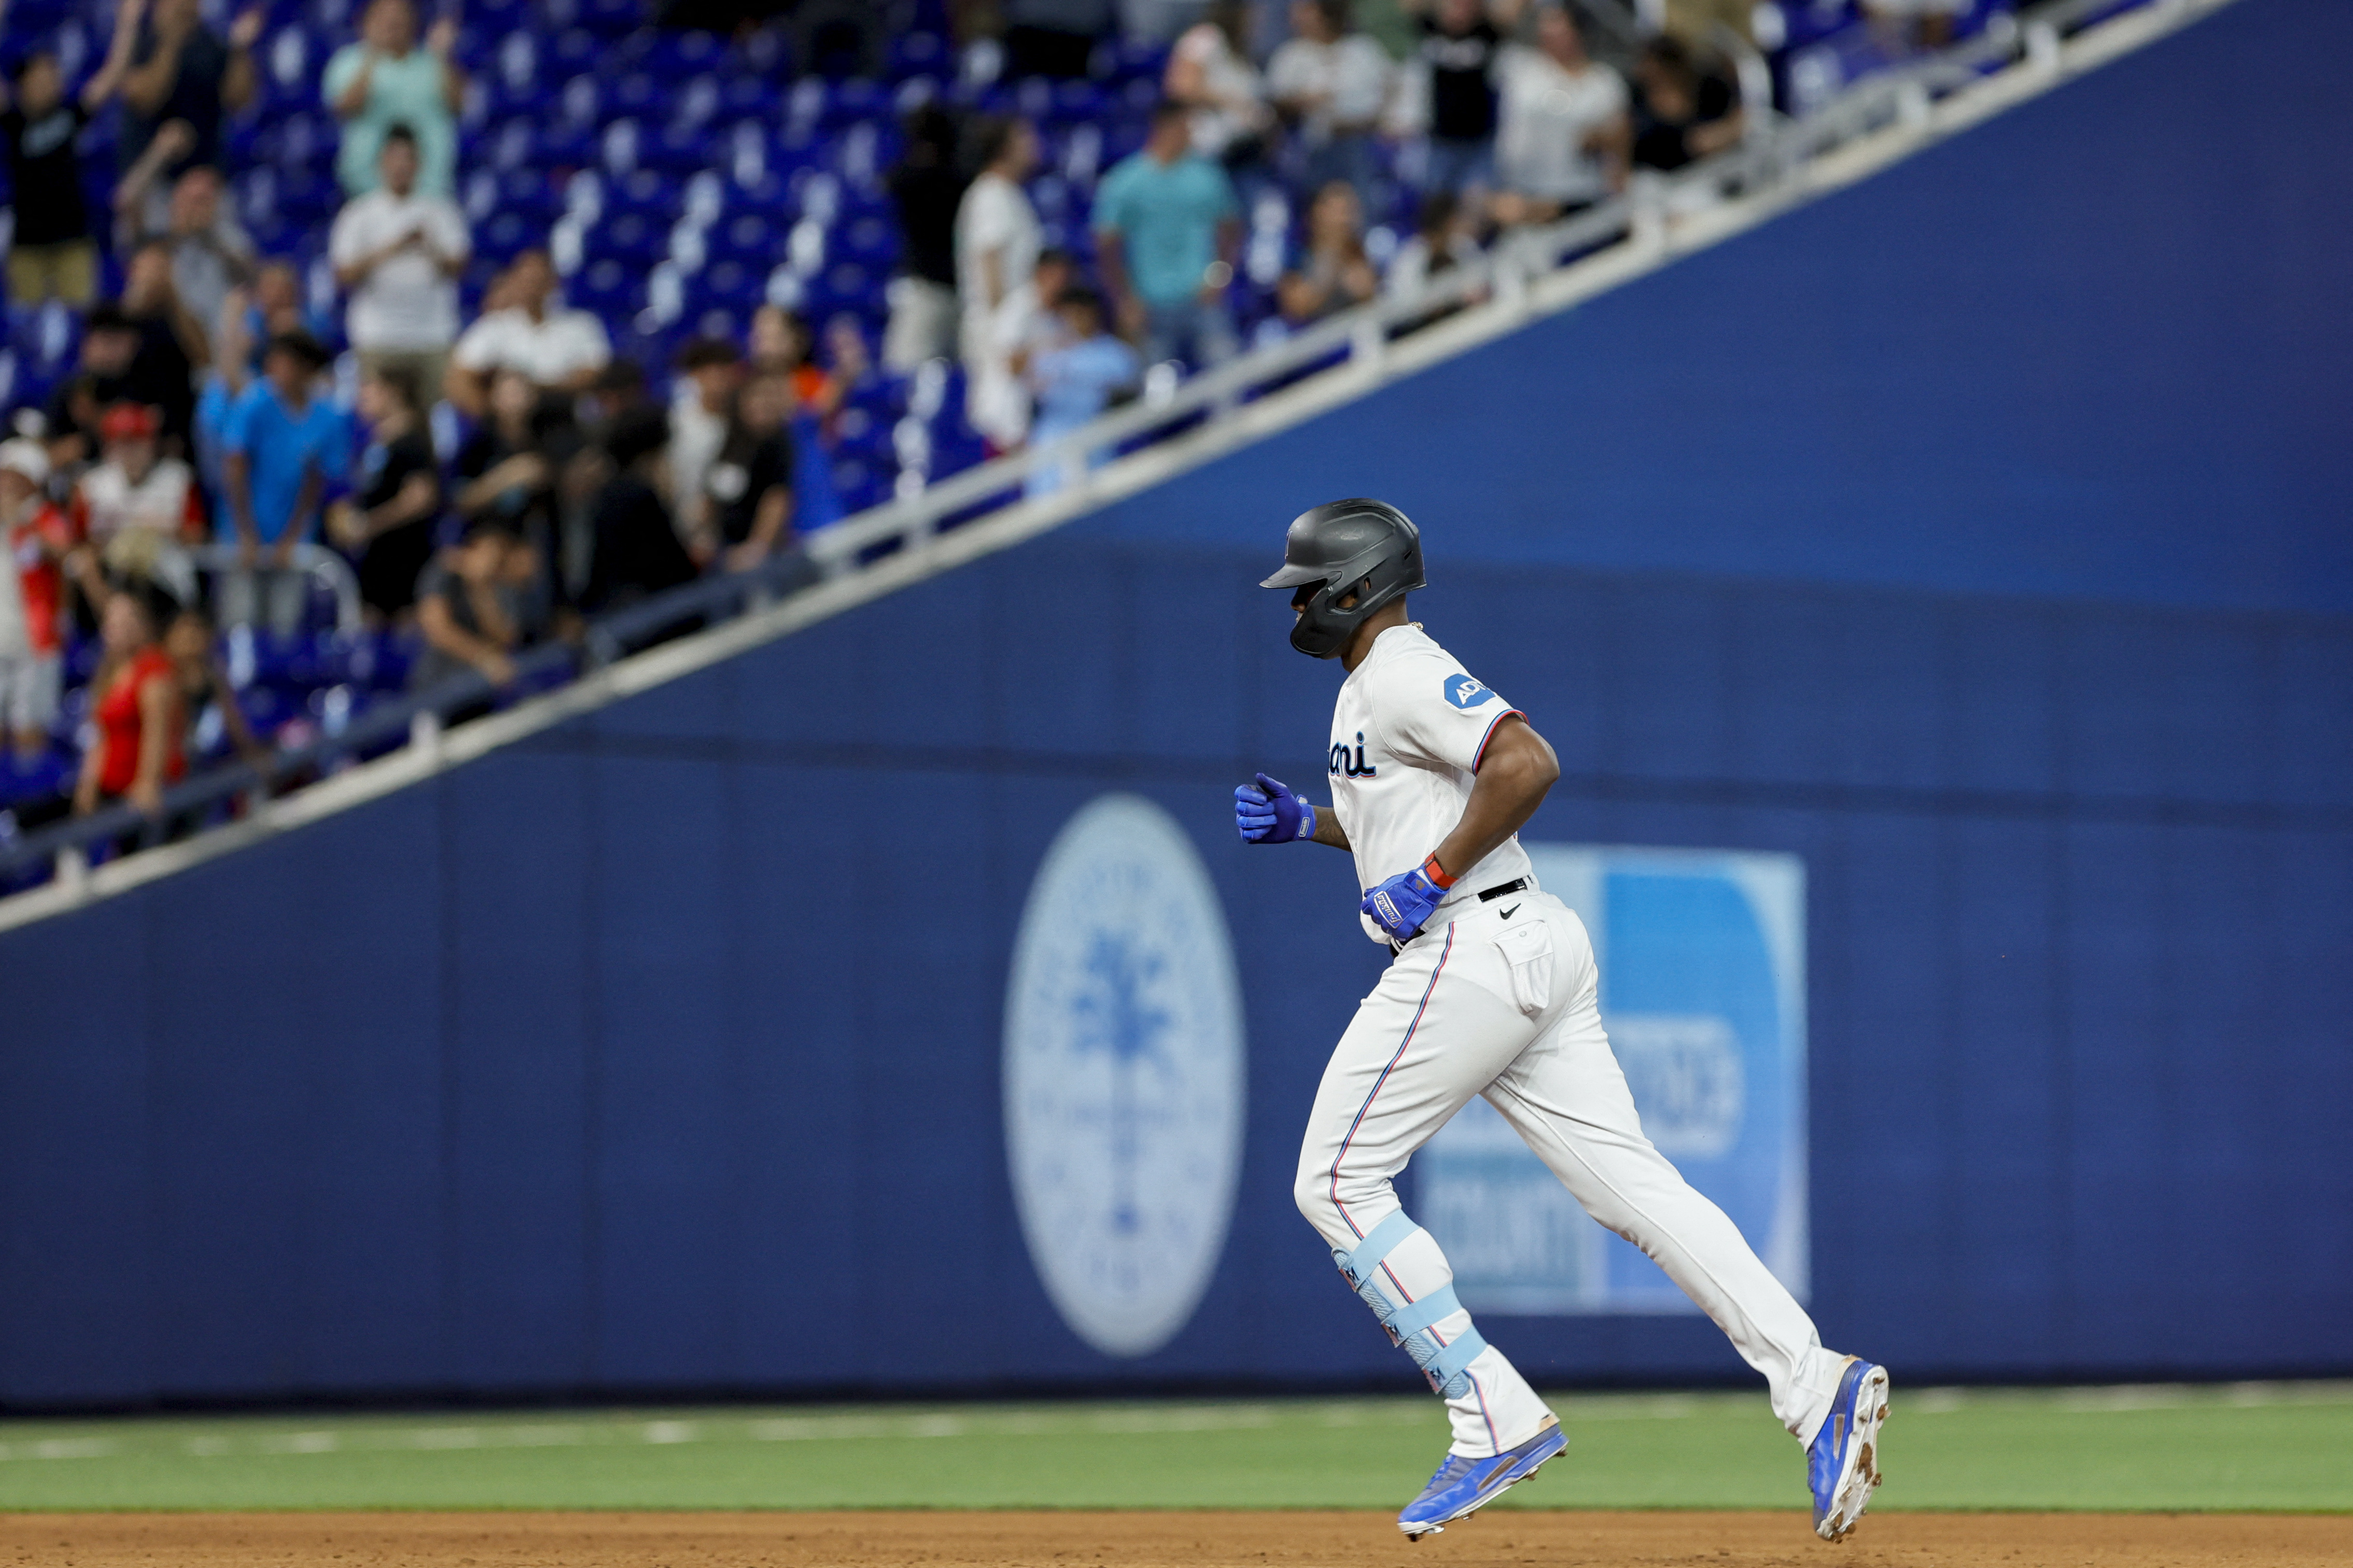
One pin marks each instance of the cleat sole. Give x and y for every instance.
(1854, 1497)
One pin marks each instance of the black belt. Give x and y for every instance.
(1501, 891)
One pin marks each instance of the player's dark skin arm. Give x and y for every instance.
(1519, 767)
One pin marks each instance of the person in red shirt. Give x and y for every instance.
(136, 711)
(36, 536)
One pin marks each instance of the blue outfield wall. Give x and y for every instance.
(662, 1051)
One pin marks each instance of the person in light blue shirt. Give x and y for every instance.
(1076, 381)
(389, 78)
(281, 447)
(1167, 226)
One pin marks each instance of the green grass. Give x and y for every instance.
(2267, 1446)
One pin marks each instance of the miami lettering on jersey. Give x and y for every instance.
(1347, 767)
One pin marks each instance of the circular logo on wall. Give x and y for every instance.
(1123, 1075)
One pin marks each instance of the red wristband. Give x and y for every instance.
(1435, 873)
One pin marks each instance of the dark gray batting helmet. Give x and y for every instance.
(1345, 545)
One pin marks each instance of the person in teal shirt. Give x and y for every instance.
(284, 452)
(387, 80)
(1167, 226)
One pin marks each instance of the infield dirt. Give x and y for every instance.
(1160, 1540)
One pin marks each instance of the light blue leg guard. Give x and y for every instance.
(1409, 1322)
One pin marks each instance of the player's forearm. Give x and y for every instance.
(1518, 769)
(1328, 829)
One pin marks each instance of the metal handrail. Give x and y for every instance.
(316, 561)
(1769, 156)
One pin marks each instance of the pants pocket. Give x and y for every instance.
(1528, 951)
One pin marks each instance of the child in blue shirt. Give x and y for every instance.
(1074, 381)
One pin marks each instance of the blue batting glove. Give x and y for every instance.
(1269, 812)
(1402, 904)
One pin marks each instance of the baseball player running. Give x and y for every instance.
(1493, 991)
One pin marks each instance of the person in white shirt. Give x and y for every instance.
(996, 242)
(702, 406)
(1025, 325)
(562, 350)
(398, 253)
(1331, 84)
(135, 506)
(1209, 72)
(1565, 133)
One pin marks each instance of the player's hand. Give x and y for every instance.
(1270, 812)
(1402, 904)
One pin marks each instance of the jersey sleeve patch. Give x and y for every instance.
(1465, 692)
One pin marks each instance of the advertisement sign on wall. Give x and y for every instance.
(1124, 1073)
(1703, 958)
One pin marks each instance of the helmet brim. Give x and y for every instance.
(1292, 576)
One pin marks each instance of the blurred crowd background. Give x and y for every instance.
(352, 347)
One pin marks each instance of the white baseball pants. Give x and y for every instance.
(1506, 1006)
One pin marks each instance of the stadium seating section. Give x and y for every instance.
(680, 180)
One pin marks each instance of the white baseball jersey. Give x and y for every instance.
(1408, 734)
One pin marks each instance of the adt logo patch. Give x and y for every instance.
(1464, 691)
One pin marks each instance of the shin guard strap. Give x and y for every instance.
(1359, 1261)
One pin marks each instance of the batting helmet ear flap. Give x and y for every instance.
(1362, 548)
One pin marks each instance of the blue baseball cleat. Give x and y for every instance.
(1844, 1463)
(1463, 1485)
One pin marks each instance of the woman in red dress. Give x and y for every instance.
(136, 714)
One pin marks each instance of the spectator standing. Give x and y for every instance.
(173, 344)
(182, 70)
(560, 350)
(998, 239)
(397, 251)
(1209, 72)
(1331, 270)
(783, 342)
(1076, 381)
(1330, 83)
(396, 502)
(749, 488)
(780, 342)
(1565, 132)
(702, 407)
(637, 548)
(926, 187)
(211, 253)
(508, 474)
(1027, 322)
(1446, 236)
(136, 712)
(31, 599)
(102, 378)
(207, 701)
(1167, 226)
(278, 306)
(136, 509)
(52, 255)
(389, 78)
(1682, 114)
(284, 445)
(479, 605)
(1460, 43)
